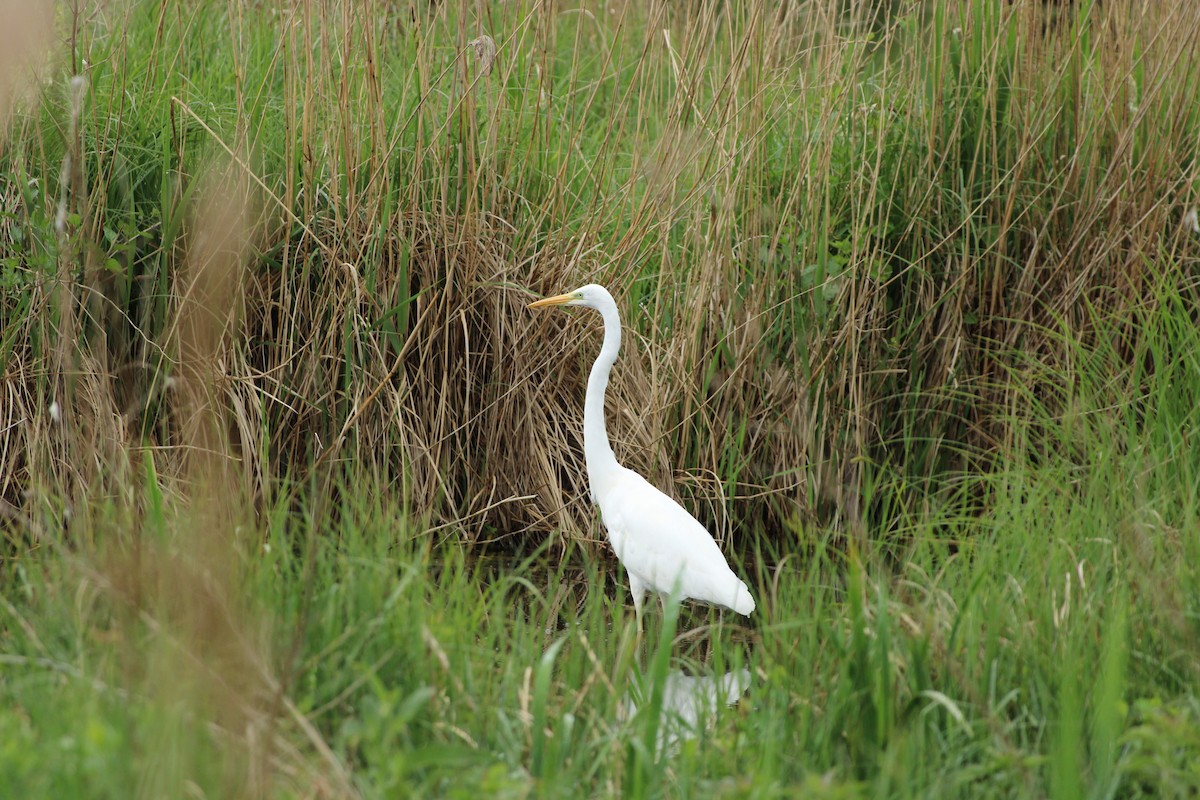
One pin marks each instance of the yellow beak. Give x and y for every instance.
(557, 300)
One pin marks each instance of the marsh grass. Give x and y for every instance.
(911, 309)
(833, 236)
(1046, 648)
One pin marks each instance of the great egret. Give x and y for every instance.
(662, 547)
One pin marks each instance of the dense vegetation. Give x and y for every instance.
(292, 484)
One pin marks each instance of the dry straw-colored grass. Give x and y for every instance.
(831, 253)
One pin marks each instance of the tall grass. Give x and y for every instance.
(1046, 648)
(832, 240)
(911, 303)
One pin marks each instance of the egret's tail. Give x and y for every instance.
(743, 603)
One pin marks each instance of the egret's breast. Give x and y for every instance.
(607, 519)
(612, 520)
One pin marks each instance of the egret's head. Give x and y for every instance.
(593, 296)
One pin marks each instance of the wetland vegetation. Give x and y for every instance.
(292, 484)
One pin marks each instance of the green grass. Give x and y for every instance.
(1047, 648)
(911, 324)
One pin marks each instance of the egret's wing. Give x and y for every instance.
(659, 542)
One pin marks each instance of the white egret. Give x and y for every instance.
(662, 547)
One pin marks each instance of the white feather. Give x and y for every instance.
(660, 543)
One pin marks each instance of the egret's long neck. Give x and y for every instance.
(596, 449)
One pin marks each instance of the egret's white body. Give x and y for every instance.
(662, 547)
